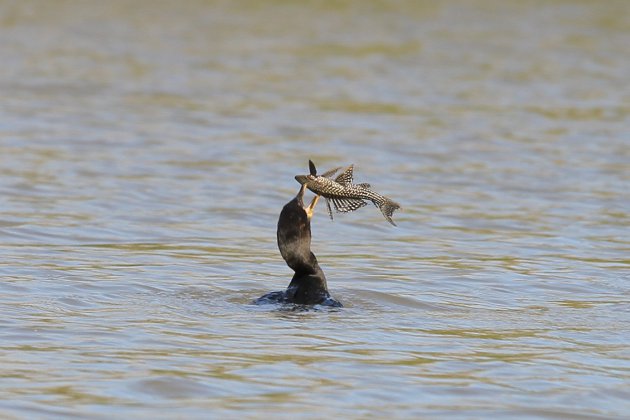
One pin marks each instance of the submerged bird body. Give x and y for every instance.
(345, 195)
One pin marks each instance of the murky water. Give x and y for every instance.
(146, 149)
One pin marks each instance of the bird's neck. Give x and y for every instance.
(309, 286)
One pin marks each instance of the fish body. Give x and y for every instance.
(345, 195)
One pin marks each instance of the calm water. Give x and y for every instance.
(146, 149)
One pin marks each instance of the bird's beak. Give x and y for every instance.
(302, 191)
(301, 179)
(311, 207)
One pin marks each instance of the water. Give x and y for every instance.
(146, 150)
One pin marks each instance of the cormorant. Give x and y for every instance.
(308, 285)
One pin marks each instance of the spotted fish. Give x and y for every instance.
(343, 194)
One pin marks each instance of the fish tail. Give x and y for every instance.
(388, 207)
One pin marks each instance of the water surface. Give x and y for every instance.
(146, 150)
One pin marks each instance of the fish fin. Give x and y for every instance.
(345, 178)
(387, 207)
(356, 204)
(365, 185)
(348, 205)
(337, 204)
(329, 209)
(311, 168)
(331, 172)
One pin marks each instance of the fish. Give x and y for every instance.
(343, 194)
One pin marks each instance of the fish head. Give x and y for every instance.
(304, 179)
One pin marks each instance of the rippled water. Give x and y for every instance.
(147, 148)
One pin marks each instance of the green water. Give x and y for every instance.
(146, 149)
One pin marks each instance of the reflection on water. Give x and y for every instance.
(146, 151)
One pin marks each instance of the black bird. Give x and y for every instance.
(308, 285)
